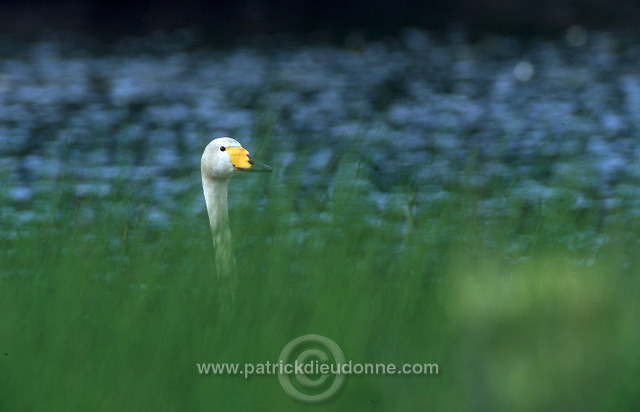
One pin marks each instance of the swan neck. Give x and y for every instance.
(215, 196)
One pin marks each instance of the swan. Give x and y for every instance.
(222, 158)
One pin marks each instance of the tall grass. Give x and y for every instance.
(531, 308)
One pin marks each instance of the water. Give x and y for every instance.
(527, 117)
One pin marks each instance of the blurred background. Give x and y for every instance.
(454, 182)
(226, 18)
(531, 89)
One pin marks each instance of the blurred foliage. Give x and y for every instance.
(531, 308)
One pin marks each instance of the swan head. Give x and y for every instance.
(224, 157)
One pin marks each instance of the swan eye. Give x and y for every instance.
(222, 148)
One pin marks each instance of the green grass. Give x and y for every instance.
(532, 308)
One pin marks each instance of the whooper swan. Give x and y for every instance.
(223, 158)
